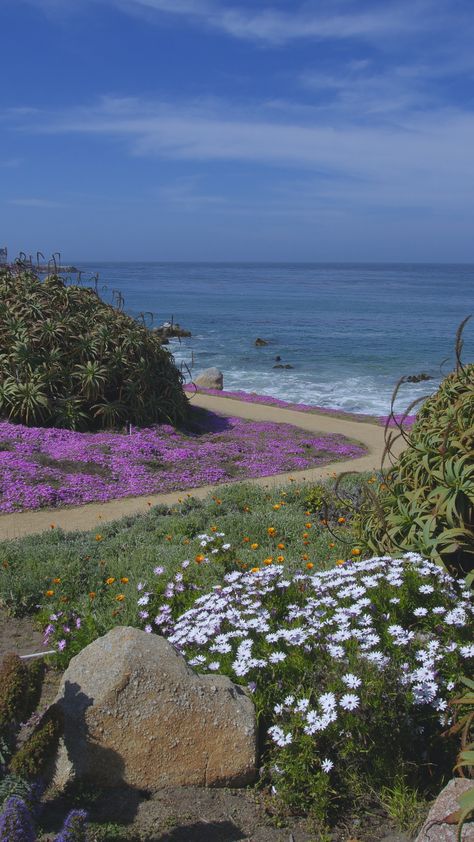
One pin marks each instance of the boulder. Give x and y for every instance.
(437, 828)
(210, 378)
(136, 714)
(260, 342)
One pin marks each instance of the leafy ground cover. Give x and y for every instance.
(50, 467)
(131, 547)
(253, 397)
(341, 653)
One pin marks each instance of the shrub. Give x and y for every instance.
(14, 684)
(68, 359)
(33, 757)
(426, 502)
(338, 663)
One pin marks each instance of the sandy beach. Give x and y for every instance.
(92, 515)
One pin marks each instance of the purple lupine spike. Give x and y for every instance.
(16, 823)
(74, 828)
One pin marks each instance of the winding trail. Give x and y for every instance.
(92, 515)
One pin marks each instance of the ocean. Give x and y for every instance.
(349, 331)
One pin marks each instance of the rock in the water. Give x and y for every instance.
(210, 378)
(280, 365)
(260, 342)
(135, 713)
(436, 828)
(418, 378)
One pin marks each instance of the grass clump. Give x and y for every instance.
(68, 359)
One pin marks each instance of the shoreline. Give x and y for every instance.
(91, 516)
(392, 420)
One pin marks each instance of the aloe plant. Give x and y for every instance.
(426, 502)
(68, 359)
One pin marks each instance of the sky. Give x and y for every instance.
(238, 130)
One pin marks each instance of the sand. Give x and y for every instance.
(93, 515)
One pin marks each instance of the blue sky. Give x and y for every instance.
(237, 129)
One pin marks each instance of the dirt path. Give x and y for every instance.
(92, 515)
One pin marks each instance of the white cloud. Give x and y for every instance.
(422, 159)
(268, 24)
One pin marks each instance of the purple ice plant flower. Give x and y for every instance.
(84, 467)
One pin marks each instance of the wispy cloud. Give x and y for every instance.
(10, 163)
(186, 194)
(267, 24)
(425, 155)
(35, 202)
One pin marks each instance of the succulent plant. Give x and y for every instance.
(426, 502)
(68, 359)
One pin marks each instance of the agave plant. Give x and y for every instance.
(69, 359)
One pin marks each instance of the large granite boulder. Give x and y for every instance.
(441, 825)
(135, 713)
(210, 378)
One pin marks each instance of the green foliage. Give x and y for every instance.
(131, 547)
(68, 359)
(33, 757)
(464, 728)
(426, 502)
(14, 785)
(13, 693)
(404, 805)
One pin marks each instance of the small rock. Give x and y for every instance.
(436, 828)
(135, 713)
(210, 378)
(418, 378)
(260, 342)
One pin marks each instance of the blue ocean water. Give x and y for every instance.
(350, 331)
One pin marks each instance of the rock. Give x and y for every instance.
(210, 378)
(418, 378)
(136, 714)
(260, 342)
(280, 365)
(436, 828)
(288, 366)
(168, 329)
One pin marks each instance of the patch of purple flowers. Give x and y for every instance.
(252, 397)
(47, 467)
(16, 824)
(74, 828)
